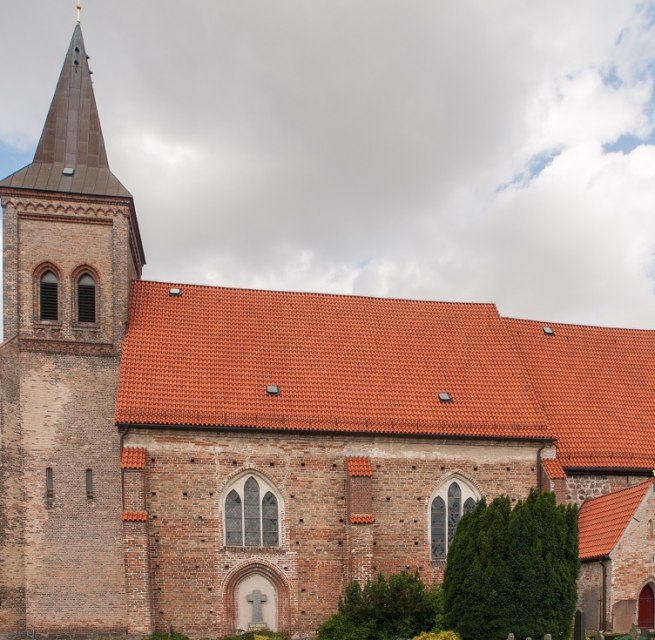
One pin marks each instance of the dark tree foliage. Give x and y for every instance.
(513, 570)
(384, 609)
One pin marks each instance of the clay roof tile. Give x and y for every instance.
(603, 520)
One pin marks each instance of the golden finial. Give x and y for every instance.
(79, 10)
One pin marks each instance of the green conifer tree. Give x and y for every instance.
(513, 570)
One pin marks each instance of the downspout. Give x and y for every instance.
(603, 598)
(539, 482)
(123, 431)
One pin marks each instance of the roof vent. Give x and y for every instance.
(549, 331)
(272, 390)
(444, 396)
(68, 171)
(175, 292)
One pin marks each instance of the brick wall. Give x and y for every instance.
(188, 474)
(633, 559)
(62, 555)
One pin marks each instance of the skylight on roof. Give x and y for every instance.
(444, 396)
(549, 331)
(272, 390)
(175, 292)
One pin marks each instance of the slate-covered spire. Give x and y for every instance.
(71, 154)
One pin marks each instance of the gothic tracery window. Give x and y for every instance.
(250, 519)
(451, 501)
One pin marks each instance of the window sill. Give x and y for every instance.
(253, 550)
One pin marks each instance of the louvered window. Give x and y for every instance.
(251, 521)
(453, 500)
(48, 296)
(86, 299)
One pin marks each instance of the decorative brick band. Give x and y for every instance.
(134, 516)
(133, 458)
(359, 467)
(67, 347)
(362, 519)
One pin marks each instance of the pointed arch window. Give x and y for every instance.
(250, 519)
(86, 299)
(450, 501)
(48, 296)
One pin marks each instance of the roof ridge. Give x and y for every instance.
(573, 324)
(320, 294)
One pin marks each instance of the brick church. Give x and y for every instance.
(210, 459)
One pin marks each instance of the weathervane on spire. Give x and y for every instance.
(79, 10)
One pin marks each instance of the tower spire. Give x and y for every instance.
(79, 11)
(71, 156)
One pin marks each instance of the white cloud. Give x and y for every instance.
(360, 147)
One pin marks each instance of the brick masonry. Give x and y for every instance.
(189, 474)
(61, 567)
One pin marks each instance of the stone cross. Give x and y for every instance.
(257, 598)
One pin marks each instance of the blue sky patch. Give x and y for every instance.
(12, 159)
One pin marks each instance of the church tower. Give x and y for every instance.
(71, 250)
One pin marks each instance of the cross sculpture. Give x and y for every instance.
(257, 598)
(79, 10)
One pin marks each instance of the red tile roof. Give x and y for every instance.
(342, 363)
(133, 458)
(362, 519)
(597, 388)
(134, 516)
(603, 520)
(359, 467)
(554, 469)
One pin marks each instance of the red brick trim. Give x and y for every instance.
(134, 516)
(554, 468)
(63, 218)
(66, 347)
(359, 467)
(133, 458)
(362, 519)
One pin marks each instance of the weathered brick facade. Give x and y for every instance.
(194, 573)
(111, 530)
(62, 551)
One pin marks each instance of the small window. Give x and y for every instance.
(89, 483)
(49, 483)
(86, 299)
(48, 296)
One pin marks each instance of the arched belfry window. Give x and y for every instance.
(48, 296)
(251, 512)
(450, 501)
(86, 299)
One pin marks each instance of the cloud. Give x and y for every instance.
(458, 151)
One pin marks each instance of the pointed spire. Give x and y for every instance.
(71, 154)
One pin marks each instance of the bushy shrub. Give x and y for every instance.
(384, 609)
(438, 635)
(164, 636)
(255, 635)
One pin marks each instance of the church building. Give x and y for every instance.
(210, 459)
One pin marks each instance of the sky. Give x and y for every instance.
(436, 149)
